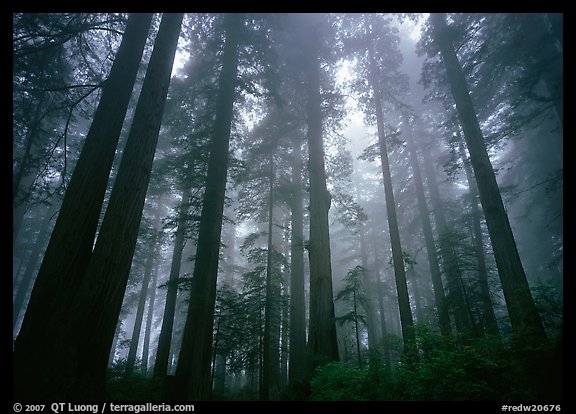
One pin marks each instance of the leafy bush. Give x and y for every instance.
(338, 382)
(135, 387)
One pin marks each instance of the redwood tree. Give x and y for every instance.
(193, 371)
(68, 252)
(519, 301)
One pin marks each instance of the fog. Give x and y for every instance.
(295, 207)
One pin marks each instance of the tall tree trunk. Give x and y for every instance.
(521, 307)
(150, 317)
(268, 380)
(456, 301)
(26, 281)
(165, 337)
(148, 269)
(489, 318)
(322, 338)
(94, 313)
(193, 371)
(297, 368)
(72, 239)
(434, 266)
(406, 319)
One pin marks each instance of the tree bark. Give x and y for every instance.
(268, 380)
(296, 367)
(322, 339)
(519, 301)
(70, 246)
(193, 371)
(89, 327)
(489, 318)
(434, 266)
(456, 301)
(406, 319)
(165, 337)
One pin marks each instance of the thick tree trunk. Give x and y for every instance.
(165, 338)
(193, 372)
(82, 341)
(27, 277)
(322, 340)
(489, 317)
(297, 368)
(434, 266)
(68, 252)
(521, 307)
(406, 319)
(322, 330)
(98, 304)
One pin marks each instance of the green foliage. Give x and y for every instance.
(339, 382)
(135, 387)
(486, 369)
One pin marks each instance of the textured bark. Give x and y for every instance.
(406, 319)
(98, 304)
(434, 266)
(297, 368)
(193, 371)
(165, 338)
(489, 318)
(72, 239)
(519, 301)
(322, 339)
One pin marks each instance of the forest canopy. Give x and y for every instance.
(288, 206)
